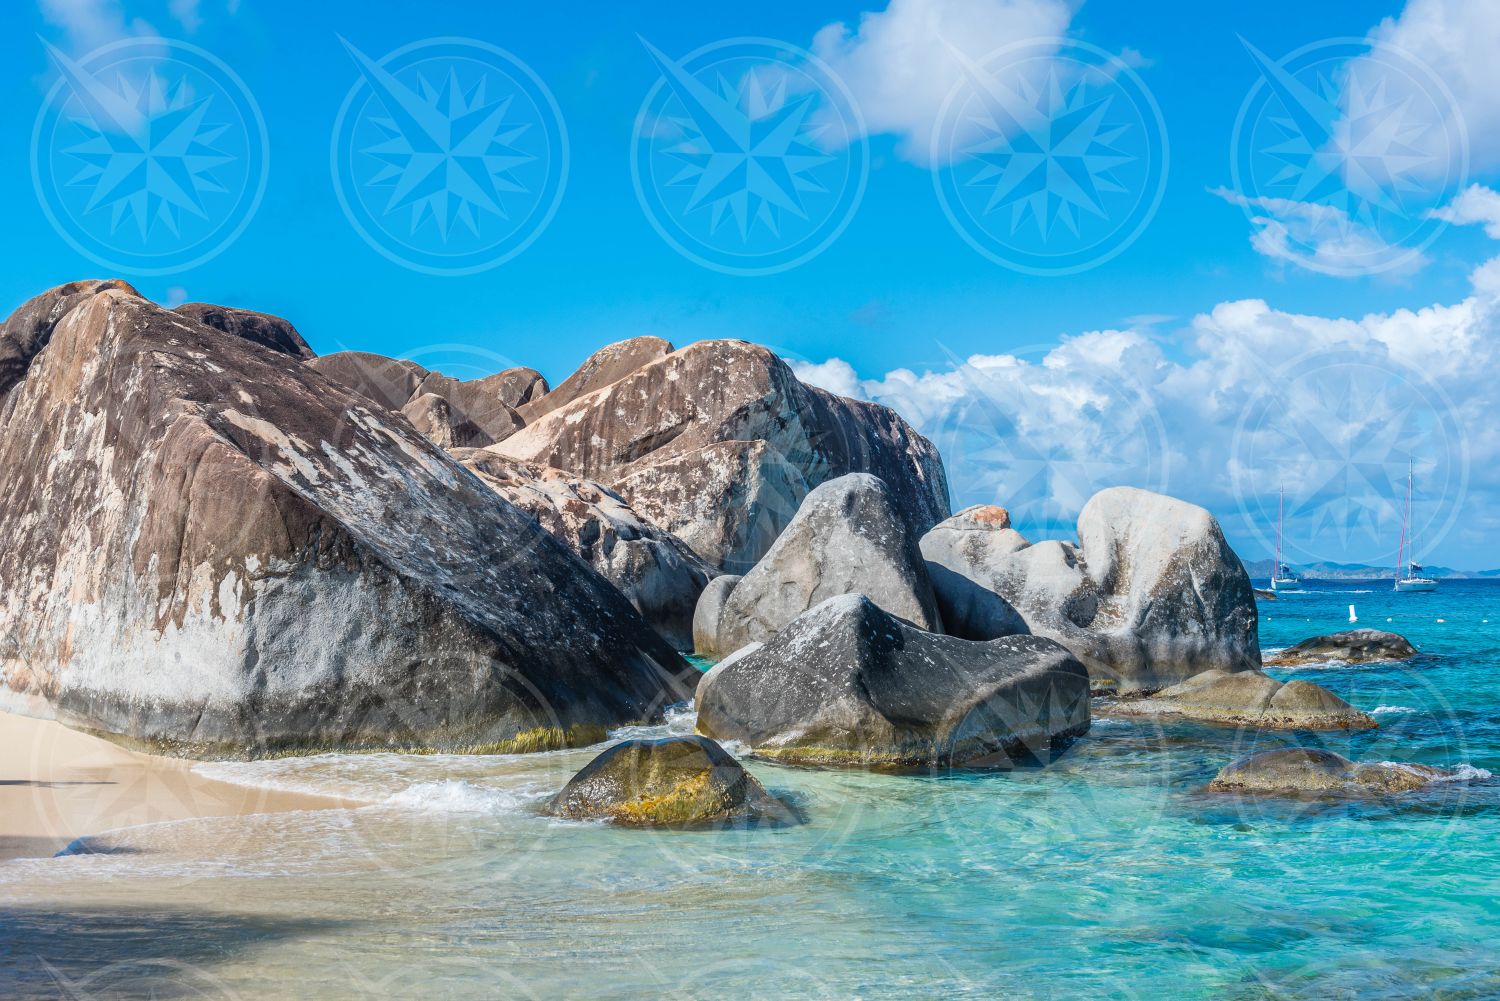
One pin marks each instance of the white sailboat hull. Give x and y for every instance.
(1416, 584)
(1286, 584)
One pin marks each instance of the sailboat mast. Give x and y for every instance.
(1405, 514)
(1411, 554)
(1280, 506)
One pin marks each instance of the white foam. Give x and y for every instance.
(458, 796)
(678, 721)
(1382, 710)
(1463, 772)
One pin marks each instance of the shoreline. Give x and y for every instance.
(59, 785)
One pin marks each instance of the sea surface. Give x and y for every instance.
(1111, 873)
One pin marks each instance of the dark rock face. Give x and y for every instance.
(1297, 770)
(709, 611)
(848, 538)
(479, 412)
(258, 328)
(849, 685)
(959, 553)
(1354, 646)
(1150, 596)
(673, 782)
(658, 575)
(209, 548)
(1250, 698)
(719, 442)
(434, 417)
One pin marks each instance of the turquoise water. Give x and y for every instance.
(1109, 874)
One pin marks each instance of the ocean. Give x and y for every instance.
(1111, 873)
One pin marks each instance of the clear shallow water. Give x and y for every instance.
(1109, 874)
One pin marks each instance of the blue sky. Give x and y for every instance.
(1141, 340)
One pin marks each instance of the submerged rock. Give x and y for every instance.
(208, 548)
(659, 575)
(671, 782)
(709, 611)
(1251, 698)
(1151, 595)
(1354, 646)
(849, 685)
(718, 443)
(1295, 770)
(848, 538)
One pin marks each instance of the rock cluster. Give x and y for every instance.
(1354, 646)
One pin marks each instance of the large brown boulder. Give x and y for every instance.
(718, 443)
(657, 574)
(260, 328)
(209, 548)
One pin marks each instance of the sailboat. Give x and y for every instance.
(1282, 576)
(1413, 579)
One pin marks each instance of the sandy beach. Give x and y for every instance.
(58, 785)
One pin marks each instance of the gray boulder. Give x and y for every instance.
(658, 575)
(1250, 698)
(849, 685)
(709, 611)
(672, 782)
(1150, 596)
(960, 553)
(208, 548)
(718, 443)
(1354, 646)
(1298, 770)
(434, 417)
(848, 538)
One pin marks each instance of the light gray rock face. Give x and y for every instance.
(1150, 596)
(848, 538)
(1250, 698)
(603, 368)
(208, 548)
(960, 553)
(848, 685)
(474, 413)
(709, 611)
(1354, 646)
(658, 575)
(1304, 771)
(719, 442)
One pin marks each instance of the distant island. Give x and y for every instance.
(1360, 571)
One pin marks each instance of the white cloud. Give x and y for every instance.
(1243, 398)
(899, 64)
(92, 23)
(1322, 238)
(1476, 204)
(187, 14)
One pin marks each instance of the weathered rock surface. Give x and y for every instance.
(1354, 646)
(259, 328)
(1150, 596)
(1250, 698)
(848, 684)
(1297, 770)
(209, 548)
(479, 411)
(848, 538)
(719, 442)
(959, 554)
(672, 782)
(708, 612)
(658, 575)
(434, 417)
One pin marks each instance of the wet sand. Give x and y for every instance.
(58, 785)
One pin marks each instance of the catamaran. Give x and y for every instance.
(1414, 579)
(1282, 576)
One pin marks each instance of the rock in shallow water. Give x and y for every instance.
(208, 547)
(849, 685)
(1294, 770)
(671, 782)
(1354, 646)
(848, 538)
(1251, 698)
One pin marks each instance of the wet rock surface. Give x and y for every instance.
(1354, 646)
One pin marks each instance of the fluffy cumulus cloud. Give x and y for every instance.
(899, 63)
(1242, 401)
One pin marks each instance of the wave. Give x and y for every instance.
(1463, 772)
(459, 796)
(1381, 710)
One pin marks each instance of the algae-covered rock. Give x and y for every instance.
(671, 782)
(1300, 770)
(1251, 698)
